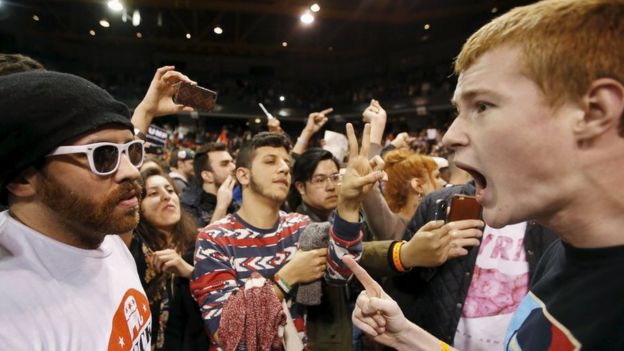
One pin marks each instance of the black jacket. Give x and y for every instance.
(433, 297)
(201, 205)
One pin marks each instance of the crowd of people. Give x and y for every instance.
(254, 245)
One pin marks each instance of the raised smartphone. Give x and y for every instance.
(197, 97)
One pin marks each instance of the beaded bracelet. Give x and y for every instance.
(282, 284)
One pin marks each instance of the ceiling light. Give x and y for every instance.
(494, 9)
(282, 98)
(35, 18)
(115, 5)
(427, 26)
(307, 18)
(104, 23)
(188, 35)
(218, 30)
(139, 35)
(284, 44)
(315, 8)
(136, 18)
(92, 32)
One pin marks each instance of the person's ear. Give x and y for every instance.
(24, 185)
(300, 187)
(207, 177)
(243, 175)
(603, 106)
(415, 186)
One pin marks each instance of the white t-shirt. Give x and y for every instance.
(58, 297)
(499, 282)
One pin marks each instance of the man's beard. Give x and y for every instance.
(260, 190)
(82, 209)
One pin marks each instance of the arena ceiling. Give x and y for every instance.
(342, 28)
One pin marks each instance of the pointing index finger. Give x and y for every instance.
(373, 289)
(326, 111)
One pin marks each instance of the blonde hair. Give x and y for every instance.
(566, 44)
(402, 166)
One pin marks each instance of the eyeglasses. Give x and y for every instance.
(321, 179)
(104, 158)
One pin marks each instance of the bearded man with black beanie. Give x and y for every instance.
(68, 282)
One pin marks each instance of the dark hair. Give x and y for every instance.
(303, 170)
(158, 163)
(247, 151)
(14, 63)
(173, 158)
(184, 232)
(201, 162)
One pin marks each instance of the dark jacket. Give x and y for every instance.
(433, 297)
(328, 325)
(201, 205)
(184, 329)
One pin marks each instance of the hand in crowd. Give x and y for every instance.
(403, 140)
(436, 242)
(360, 174)
(316, 120)
(274, 125)
(376, 313)
(169, 260)
(158, 100)
(376, 116)
(224, 193)
(305, 266)
(374, 113)
(224, 199)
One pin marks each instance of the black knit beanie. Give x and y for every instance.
(40, 110)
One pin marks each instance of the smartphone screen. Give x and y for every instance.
(195, 96)
(464, 207)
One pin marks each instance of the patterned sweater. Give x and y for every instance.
(230, 250)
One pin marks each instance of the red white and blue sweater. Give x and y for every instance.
(229, 250)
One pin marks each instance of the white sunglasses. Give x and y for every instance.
(104, 158)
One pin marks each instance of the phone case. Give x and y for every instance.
(195, 96)
(464, 207)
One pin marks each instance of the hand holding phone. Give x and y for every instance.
(195, 96)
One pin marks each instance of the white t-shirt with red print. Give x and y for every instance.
(500, 281)
(58, 297)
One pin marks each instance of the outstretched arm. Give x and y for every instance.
(316, 120)
(158, 100)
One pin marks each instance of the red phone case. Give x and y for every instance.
(464, 207)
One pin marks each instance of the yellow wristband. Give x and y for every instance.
(444, 346)
(396, 257)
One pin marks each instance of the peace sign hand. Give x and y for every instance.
(360, 174)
